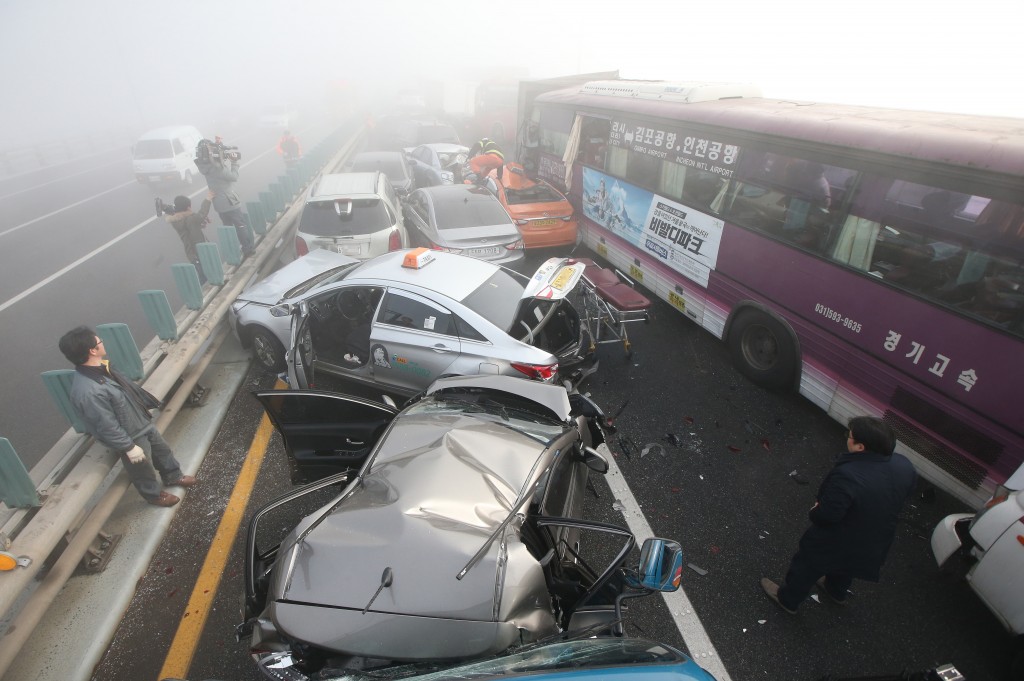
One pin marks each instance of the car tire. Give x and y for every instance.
(267, 350)
(763, 349)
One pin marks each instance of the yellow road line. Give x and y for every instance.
(183, 648)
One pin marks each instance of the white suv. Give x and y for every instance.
(355, 214)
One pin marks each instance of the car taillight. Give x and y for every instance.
(395, 240)
(567, 218)
(444, 249)
(540, 372)
(516, 245)
(300, 246)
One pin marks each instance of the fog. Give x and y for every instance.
(73, 67)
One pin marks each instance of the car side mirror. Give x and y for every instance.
(661, 564)
(593, 460)
(282, 310)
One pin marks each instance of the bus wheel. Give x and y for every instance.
(763, 349)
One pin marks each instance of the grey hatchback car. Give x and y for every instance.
(465, 219)
(355, 214)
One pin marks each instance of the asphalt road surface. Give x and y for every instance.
(78, 242)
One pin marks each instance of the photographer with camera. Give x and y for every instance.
(188, 225)
(219, 164)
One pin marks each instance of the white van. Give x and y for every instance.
(166, 155)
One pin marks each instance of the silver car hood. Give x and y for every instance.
(270, 291)
(429, 501)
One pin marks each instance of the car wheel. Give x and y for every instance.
(763, 349)
(267, 350)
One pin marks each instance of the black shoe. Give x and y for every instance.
(821, 589)
(771, 589)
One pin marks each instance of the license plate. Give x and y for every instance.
(482, 252)
(347, 249)
(544, 223)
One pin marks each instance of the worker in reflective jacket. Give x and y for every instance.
(485, 156)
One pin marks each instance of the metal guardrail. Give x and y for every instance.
(72, 509)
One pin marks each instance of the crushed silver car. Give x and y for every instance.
(459, 536)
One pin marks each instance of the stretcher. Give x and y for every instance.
(609, 304)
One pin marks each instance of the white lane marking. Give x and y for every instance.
(60, 273)
(61, 210)
(697, 641)
(59, 179)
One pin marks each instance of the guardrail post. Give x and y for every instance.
(227, 237)
(121, 349)
(58, 384)
(209, 260)
(267, 199)
(159, 314)
(187, 278)
(279, 194)
(286, 182)
(16, 488)
(257, 219)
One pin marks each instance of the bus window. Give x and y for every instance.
(643, 170)
(594, 142)
(790, 198)
(964, 251)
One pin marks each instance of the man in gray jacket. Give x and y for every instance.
(220, 167)
(115, 411)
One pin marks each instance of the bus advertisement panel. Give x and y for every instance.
(873, 260)
(681, 237)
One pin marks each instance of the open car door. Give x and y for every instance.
(325, 433)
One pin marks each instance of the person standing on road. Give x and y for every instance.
(853, 521)
(189, 226)
(115, 411)
(219, 165)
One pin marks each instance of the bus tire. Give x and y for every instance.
(763, 349)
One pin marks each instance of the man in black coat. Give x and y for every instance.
(854, 519)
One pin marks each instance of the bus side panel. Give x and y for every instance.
(830, 304)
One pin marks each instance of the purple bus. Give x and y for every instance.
(872, 259)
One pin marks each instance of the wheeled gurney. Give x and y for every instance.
(609, 304)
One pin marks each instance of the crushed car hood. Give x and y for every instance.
(428, 502)
(270, 291)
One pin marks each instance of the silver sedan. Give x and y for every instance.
(404, 319)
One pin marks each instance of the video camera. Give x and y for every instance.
(216, 152)
(163, 208)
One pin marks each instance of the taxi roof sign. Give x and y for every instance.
(417, 258)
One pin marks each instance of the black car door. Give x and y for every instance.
(325, 433)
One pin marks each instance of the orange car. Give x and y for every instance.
(543, 215)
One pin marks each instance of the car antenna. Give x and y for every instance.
(385, 580)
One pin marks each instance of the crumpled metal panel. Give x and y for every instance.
(433, 494)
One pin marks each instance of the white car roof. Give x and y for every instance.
(454, 275)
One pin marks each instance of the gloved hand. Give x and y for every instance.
(136, 454)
